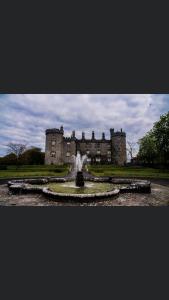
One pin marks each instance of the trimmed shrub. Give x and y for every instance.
(3, 167)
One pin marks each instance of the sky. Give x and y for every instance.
(24, 118)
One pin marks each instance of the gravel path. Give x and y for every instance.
(158, 197)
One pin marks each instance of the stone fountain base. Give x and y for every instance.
(79, 179)
(29, 186)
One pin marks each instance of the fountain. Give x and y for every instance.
(78, 167)
(94, 188)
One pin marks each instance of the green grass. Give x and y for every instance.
(97, 170)
(90, 188)
(34, 171)
(108, 170)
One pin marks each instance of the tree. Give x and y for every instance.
(17, 149)
(9, 159)
(33, 156)
(161, 134)
(148, 148)
(131, 148)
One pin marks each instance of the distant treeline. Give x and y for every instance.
(32, 156)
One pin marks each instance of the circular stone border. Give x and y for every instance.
(134, 186)
(53, 195)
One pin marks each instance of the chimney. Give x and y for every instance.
(83, 136)
(121, 130)
(111, 132)
(103, 136)
(93, 137)
(73, 134)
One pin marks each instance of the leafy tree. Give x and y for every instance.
(9, 159)
(33, 156)
(161, 134)
(154, 146)
(148, 149)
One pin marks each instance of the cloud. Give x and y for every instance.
(24, 118)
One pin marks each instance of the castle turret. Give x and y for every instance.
(61, 130)
(54, 146)
(118, 144)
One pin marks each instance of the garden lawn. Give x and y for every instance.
(34, 171)
(107, 170)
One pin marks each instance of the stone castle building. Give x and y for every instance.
(59, 149)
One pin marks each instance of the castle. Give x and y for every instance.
(59, 149)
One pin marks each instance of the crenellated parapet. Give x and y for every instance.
(54, 130)
(117, 133)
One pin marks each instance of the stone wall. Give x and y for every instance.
(96, 150)
(69, 149)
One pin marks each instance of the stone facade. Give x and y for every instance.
(59, 149)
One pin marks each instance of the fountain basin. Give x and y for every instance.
(89, 187)
(63, 188)
(79, 197)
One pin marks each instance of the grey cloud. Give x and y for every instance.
(25, 117)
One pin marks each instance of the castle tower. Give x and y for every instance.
(54, 146)
(118, 145)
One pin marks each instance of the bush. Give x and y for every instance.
(3, 167)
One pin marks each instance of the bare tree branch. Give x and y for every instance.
(131, 148)
(17, 149)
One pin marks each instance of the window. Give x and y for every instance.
(109, 159)
(88, 159)
(53, 143)
(68, 154)
(87, 152)
(98, 151)
(68, 143)
(53, 154)
(109, 153)
(98, 159)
